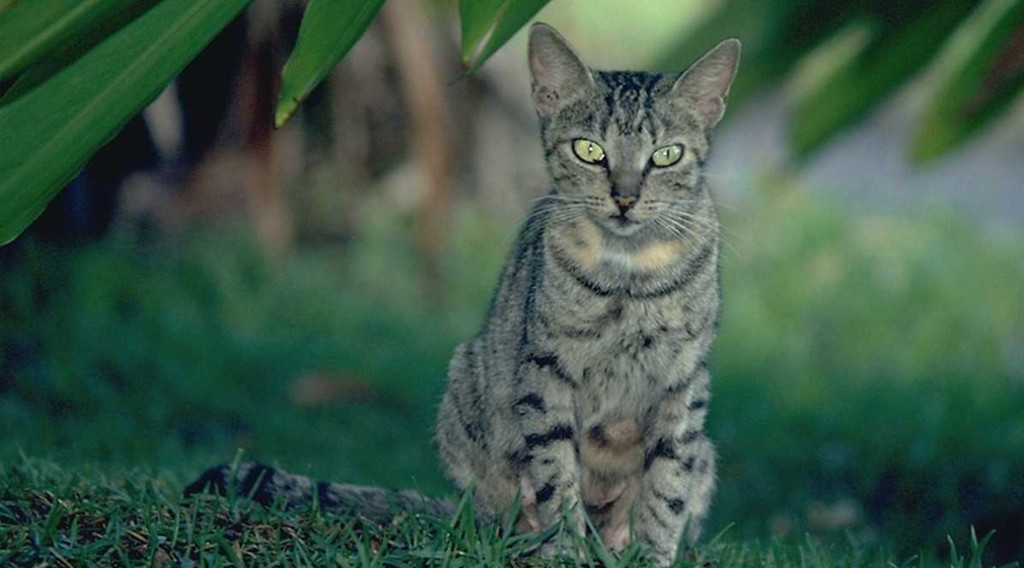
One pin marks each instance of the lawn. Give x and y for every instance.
(868, 380)
(50, 517)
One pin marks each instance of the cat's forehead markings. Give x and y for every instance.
(629, 101)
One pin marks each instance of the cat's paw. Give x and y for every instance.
(529, 516)
(660, 554)
(566, 542)
(616, 536)
(562, 545)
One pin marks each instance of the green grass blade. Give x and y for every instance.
(229, 551)
(861, 83)
(33, 29)
(978, 80)
(59, 124)
(329, 29)
(502, 20)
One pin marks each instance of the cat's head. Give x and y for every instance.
(626, 149)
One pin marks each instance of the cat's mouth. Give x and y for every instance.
(621, 225)
(621, 220)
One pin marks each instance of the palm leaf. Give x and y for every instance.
(32, 30)
(50, 131)
(329, 29)
(476, 18)
(492, 23)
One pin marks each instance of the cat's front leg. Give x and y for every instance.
(678, 470)
(547, 419)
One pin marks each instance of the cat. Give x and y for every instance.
(586, 390)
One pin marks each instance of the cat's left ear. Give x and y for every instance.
(704, 87)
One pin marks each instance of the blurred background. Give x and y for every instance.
(208, 283)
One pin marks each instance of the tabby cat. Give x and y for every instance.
(586, 390)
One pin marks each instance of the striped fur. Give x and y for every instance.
(268, 486)
(587, 387)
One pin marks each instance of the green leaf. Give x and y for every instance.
(900, 47)
(978, 82)
(58, 125)
(34, 29)
(329, 29)
(476, 18)
(492, 22)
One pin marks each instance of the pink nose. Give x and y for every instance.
(624, 202)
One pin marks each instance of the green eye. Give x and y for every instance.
(668, 155)
(588, 150)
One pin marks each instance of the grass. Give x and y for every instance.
(51, 517)
(868, 383)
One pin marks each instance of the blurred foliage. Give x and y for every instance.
(868, 376)
(873, 358)
(902, 37)
(976, 46)
(978, 81)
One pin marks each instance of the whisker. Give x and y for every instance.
(723, 229)
(724, 236)
(699, 218)
(685, 201)
(673, 230)
(702, 222)
(680, 229)
(703, 236)
(561, 198)
(556, 213)
(734, 178)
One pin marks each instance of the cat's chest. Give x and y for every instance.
(609, 329)
(620, 351)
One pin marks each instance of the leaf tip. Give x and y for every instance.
(285, 110)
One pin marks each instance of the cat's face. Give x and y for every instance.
(627, 149)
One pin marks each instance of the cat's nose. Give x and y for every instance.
(624, 202)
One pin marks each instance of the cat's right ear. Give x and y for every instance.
(559, 75)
